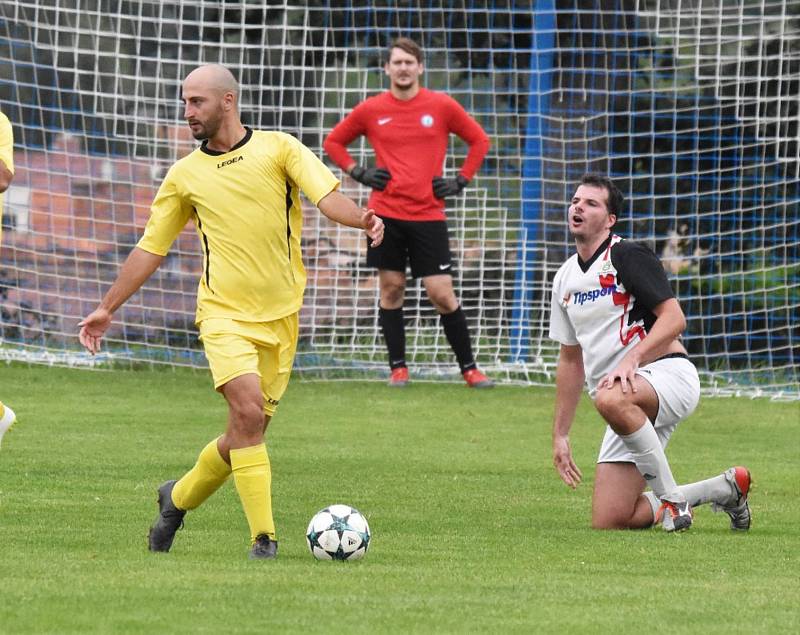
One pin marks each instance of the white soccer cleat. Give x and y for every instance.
(737, 508)
(674, 516)
(6, 421)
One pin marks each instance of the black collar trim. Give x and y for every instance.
(585, 265)
(215, 153)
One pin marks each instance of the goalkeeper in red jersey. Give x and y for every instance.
(408, 126)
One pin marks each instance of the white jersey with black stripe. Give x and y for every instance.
(605, 304)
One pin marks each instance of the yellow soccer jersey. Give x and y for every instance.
(245, 204)
(6, 149)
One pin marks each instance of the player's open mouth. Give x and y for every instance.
(577, 220)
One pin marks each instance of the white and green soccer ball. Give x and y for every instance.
(338, 532)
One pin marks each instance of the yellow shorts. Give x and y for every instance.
(235, 348)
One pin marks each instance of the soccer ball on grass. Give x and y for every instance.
(338, 532)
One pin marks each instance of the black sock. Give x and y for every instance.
(455, 328)
(394, 332)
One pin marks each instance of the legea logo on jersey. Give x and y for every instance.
(581, 297)
(426, 120)
(229, 161)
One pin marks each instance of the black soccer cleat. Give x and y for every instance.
(264, 548)
(170, 519)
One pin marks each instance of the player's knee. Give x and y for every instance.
(606, 524)
(392, 296)
(611, 521)
(608, 402)
(443, 300)
(445, 305)
(247, 416)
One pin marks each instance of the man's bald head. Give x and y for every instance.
(211, 95)
(215, 77)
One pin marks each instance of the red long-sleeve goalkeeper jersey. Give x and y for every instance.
(410, 140)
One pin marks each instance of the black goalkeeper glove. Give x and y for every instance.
(376, 178)
(442, 188)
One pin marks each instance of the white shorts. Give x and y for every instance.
(677, 385)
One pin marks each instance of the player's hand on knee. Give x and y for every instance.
(569, 472)
(442, 188)
(376, 178)
(625, 372)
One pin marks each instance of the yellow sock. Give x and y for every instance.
(253, 479)
(205, 478)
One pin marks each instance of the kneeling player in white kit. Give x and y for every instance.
(618, 323)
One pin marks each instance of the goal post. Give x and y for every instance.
(691, 107)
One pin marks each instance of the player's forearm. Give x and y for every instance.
(477, 151)
(569, 386)
(6, 176)
(341, 209)
(567, 398)
(137, 268)
(336, 149)
(471, 132)
(663, 335)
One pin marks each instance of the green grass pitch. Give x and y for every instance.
(472, 529)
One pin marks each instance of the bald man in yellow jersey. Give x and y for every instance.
(241, 188)
(7, 416)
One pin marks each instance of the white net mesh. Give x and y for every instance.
(691, 106)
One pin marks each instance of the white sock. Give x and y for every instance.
(650, 460)
(712, 490)
(655, 504)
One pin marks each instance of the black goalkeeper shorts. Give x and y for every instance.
(425, 244)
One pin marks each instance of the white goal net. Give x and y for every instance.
(691, 105)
